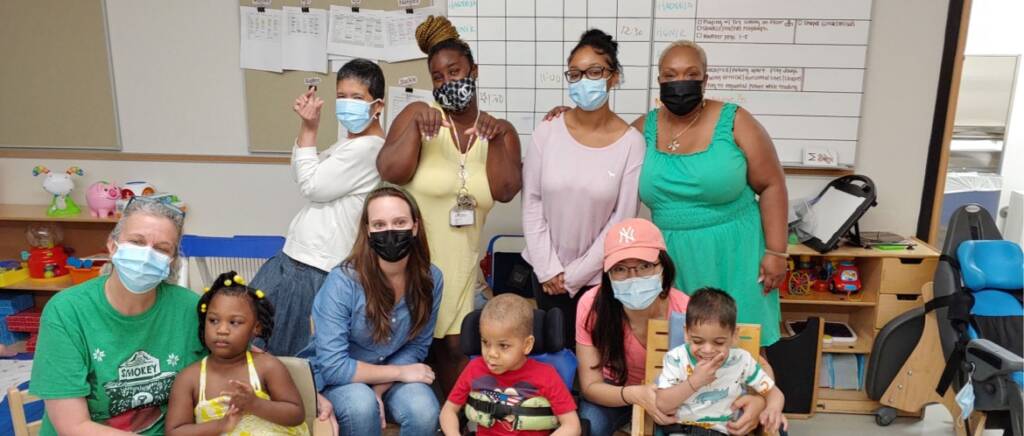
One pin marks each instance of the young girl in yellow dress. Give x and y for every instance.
(212, 395)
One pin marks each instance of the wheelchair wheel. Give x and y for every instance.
(885, 416)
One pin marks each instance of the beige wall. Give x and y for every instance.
(227, 199)
(898, 106)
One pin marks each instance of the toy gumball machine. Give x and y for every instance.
(47, 257)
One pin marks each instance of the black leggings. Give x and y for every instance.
(565, 303)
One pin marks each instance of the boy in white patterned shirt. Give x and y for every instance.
(703, 377)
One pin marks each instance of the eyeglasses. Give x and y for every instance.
(163, 201)
(620, 272)
(592, 73)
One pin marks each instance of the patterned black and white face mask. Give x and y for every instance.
(456, 94)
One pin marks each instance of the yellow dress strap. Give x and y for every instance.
(254, 378)
(202, 381)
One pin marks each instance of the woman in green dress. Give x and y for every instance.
(713, 182)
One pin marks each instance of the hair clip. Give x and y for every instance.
(202, 308)
(206, 289)
(260, 294)
(238, 279)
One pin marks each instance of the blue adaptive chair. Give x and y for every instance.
(549, 344)
(977, 305)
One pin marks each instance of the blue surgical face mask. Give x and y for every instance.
(965, 399)
(140, 268)
(589, 94)
(354, 114)
(637, 293)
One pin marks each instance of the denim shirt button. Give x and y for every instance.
(394, 319)
(380, 359)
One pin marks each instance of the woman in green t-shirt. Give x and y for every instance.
(110, 348)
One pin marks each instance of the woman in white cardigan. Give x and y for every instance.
(335, 183)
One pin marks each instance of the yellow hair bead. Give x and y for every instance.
(260, 294)
(227, 282)
(238, 279)
(206, 289)
(202, 308)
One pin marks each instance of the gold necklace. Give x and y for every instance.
(673, 143)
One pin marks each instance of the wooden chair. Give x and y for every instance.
(17, 399)
(658, 345)
(302, 375)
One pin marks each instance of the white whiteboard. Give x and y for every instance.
(797, 65)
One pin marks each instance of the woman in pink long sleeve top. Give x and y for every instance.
(580, 177)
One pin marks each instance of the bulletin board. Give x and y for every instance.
(56, 87)
(269, 96)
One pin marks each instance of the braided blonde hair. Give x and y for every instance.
(437, 33)
(433, 31)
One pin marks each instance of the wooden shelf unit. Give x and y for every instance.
(83, 233)
(891, 284)
(45, 285)
(820, 298)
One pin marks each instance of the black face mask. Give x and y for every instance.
(456, 94)
(391, 245)
(682, 96)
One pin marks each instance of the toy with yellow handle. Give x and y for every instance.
(60, 186)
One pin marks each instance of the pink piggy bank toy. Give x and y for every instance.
(102, 199)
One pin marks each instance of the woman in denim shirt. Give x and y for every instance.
(374, 319)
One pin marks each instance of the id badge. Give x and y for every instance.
(464, 212)
(461, 217)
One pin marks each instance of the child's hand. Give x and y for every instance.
(704, 374)
(242, 396)
(324, 408)
(772, 418)
(230, 420)
(325, 412)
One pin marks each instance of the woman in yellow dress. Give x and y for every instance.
(457, 161)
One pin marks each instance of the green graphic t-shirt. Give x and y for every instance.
(122, 365)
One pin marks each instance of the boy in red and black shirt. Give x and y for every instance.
(507, 392)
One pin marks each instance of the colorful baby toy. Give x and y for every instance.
(131, 189)
(846, 279)
(60, 186)
(102, 199)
